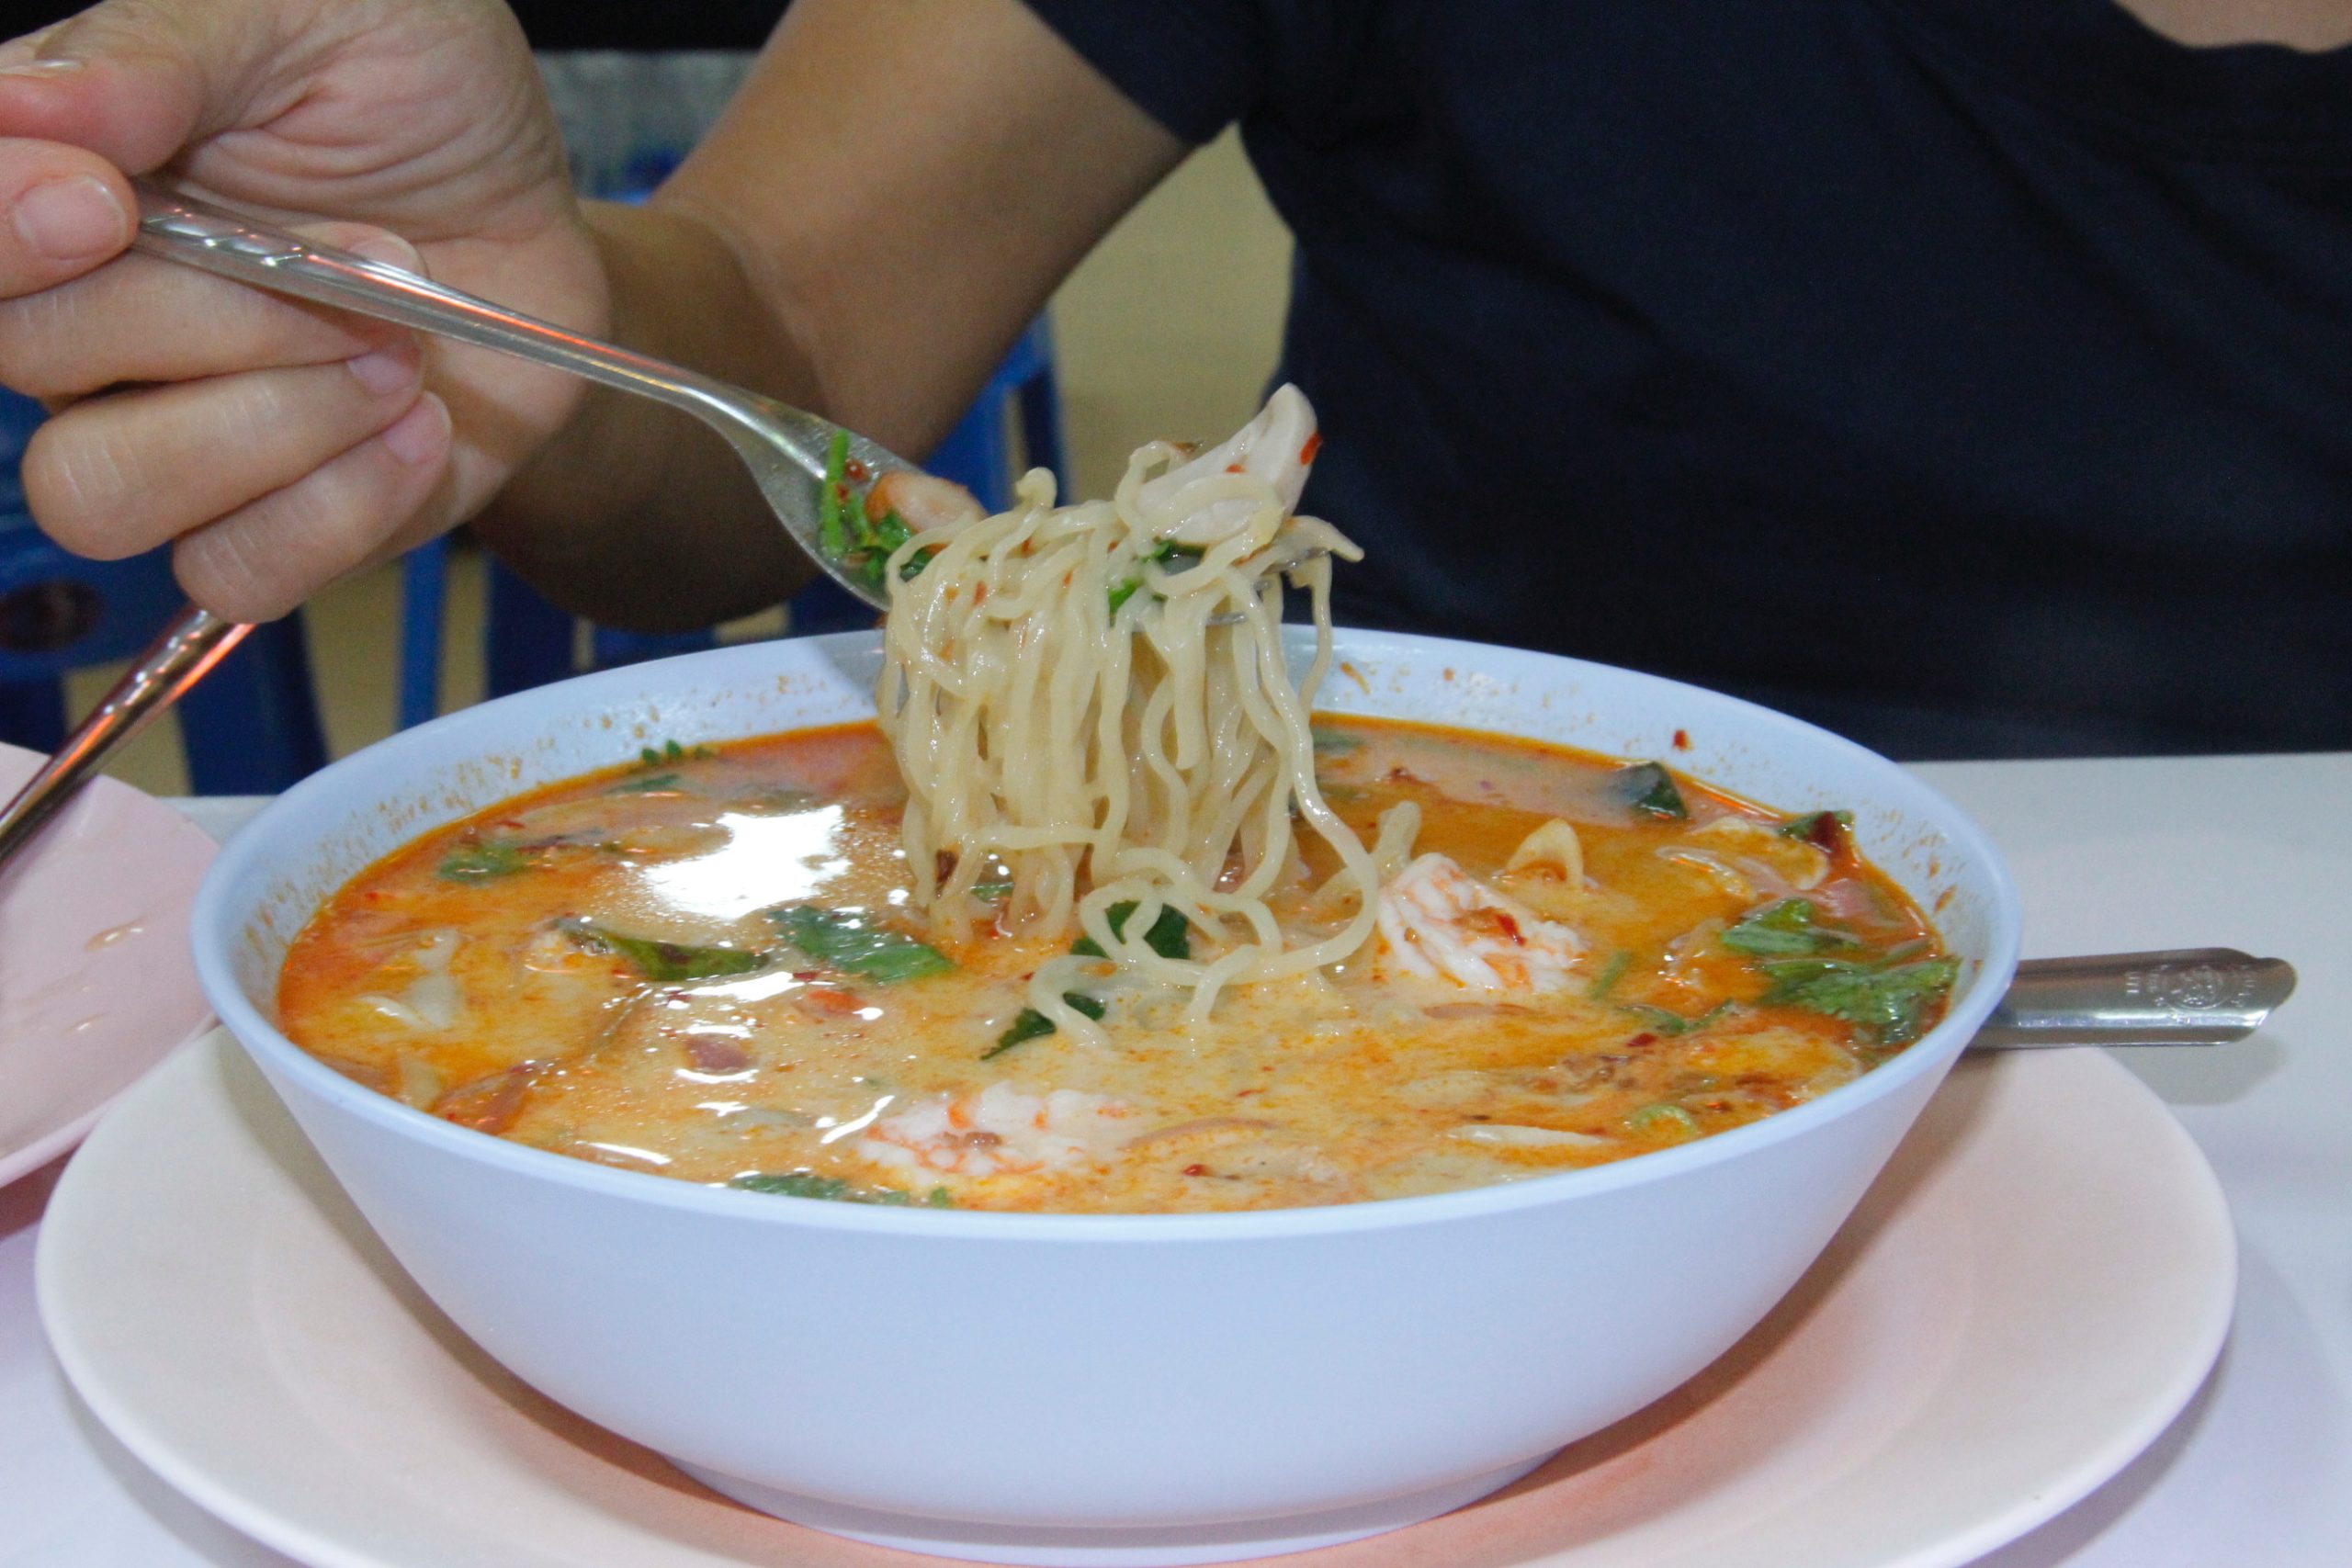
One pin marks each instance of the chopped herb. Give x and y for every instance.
(670, 961)
(1827, 828)
(1886, 997)
(1671, 1023)
(1123, 591)
(1649, 790)
(857, 945)
(833, 1188)
(1790, 926)
(1031, 1024)
(830, 491)
(670, 752)
(845, 532)
(646, 785)
(1170, 553)
(915, 563)
(1170, 936)
(1332, 743)
(1650, 1118)
(992, 891)
(1610, 973)
(482, 860)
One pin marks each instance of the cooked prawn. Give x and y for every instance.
(1439, 922)
(997, 1130)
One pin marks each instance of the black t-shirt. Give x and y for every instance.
(1971, 376)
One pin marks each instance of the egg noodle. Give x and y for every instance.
(1092, 703)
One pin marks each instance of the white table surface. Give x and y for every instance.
(2112, 856)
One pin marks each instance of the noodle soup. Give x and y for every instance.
(711, 965)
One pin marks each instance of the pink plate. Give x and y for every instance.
(96, 982)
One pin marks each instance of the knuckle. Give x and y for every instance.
(40, 344)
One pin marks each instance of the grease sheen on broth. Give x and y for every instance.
(610, 968)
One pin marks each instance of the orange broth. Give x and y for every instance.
(613, 968)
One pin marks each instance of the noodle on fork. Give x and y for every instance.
(1091, 703)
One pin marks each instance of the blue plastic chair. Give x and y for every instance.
(528, 641)
(252, 728)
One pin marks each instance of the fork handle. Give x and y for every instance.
(230, 245)
(183, 655)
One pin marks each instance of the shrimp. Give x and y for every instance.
(1438, 922)
(1278, 447)
(923, 501)
(997, 1130)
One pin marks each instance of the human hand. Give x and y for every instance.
(277, 444)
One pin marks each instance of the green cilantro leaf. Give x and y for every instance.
(1649, 790)
(646, 785)
(1170, 936)
(668, 962)
(1610, 973)
(1031, 1024)
(1827, 828)
(1672, 1023)
(833, 1188)
(857, 945)
(1790, 926)
(483, 860)
(1887, 999)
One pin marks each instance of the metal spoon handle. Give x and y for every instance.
(182, 656)
(232, 245)
(2197, 995)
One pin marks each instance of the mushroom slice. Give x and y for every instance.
(1555, 846)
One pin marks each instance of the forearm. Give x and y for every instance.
(881, 212)
(636, 515)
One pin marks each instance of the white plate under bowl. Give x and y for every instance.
(2029, 1294)
(96, 981)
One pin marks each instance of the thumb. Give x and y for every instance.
(135, 81)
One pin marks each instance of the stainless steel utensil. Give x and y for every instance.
(2202, 995)
(182, 656)
(2187, 996)
(783, 447)
(2194, 995)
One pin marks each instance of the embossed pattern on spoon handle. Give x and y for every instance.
(2196, 996)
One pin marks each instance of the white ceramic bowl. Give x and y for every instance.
(1096, 1389)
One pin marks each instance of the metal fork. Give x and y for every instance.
(783, 447)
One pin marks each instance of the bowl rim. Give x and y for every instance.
(213, 938)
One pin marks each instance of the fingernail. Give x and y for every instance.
(388, 369)
(41, 68)
(391, 250)
(72, 218)
(420, 435)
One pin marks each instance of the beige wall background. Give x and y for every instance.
(1169, 329)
